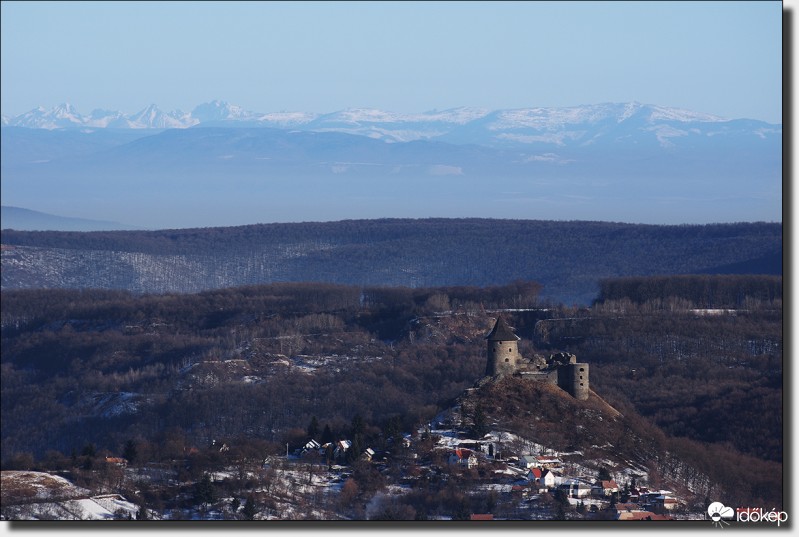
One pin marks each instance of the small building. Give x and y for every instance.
(543, 478)
(664, 503)
(548, 461)
(638, 514)
(650, 497)
(575, 488)
(629, 506)
(475, 516)
(548, 479)
(311, 445)
(341, 447)
(463, 457)
(605, 488)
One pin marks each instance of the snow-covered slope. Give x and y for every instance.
(583, 125)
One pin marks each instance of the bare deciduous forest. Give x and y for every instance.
(258, 363)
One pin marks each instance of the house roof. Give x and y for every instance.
(536, 472)
(502, 332)
(609, 484)
(628, 507)
(574, 483)
(463, 453)
(642, 515)
(547, 459)
(481, 517)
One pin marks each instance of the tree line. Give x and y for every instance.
(700, 291)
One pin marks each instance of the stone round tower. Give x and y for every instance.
(503, 356)
(573, 378)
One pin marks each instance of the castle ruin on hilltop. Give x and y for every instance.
(562, 369)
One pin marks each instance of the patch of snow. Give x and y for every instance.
(678, 114)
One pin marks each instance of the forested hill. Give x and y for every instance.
(568, 258)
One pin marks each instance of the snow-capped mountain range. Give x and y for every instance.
(615, 161)
(454, 125)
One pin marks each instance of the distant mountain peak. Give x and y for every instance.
(217, 110)
(507, 127)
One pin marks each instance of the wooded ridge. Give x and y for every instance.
(568, 258)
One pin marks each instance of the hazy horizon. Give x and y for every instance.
(718, 58)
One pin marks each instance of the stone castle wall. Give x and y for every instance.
(562, 369)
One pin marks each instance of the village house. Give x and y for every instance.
(311, 445)
(605, 488)
(546, 462)
(549, 462)
(544, 479)
(475, 516)
(650, 497)
(463, 457)
(341, 447)
(632, 511)
(575, 488)
(664, 503)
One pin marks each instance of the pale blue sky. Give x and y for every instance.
(723, 58)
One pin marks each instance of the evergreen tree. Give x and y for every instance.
(327, 435)
(204, 492)
(130, 453)
(480, 422)
(357, 427)
(313, 428)
(249, 509)
(355, 450)
(603, 474)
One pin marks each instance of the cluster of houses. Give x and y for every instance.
(545, 474)
(338, 451)
(539, 474)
